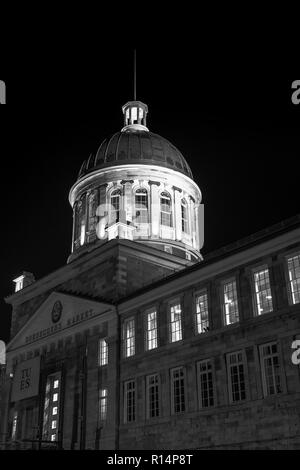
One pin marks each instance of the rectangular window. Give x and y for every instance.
(152, 387)
(103, 396)
(294, 278)
(51, 407)
(202, 320)
(178, 390)
(175, 327)
(103, 352)
(236, 377)
(263, 294)
(129, 401)
(230, 306)
(205, 384)
(129, 337)
(271, 374)
(151, 330)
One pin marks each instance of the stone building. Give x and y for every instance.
(140, 343)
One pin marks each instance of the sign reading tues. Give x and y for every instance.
(26, 379)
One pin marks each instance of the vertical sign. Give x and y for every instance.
(26, 379)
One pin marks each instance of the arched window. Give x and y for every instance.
(115, 205)
(166, 209)
(92, 208)
(80, 221)
(141, 206)
(184, 216)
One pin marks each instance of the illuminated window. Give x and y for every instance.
(56, 383)
(230, 303)
(14, 426)
(82, 233)
(178, 390)
(134, 115)
(51, 407)
(115, 205)
(103, 397)
(236, 377)
(103, 352)
(129, 337)
(152, 397)
(166, 210)
(175, 327)
(151, 330)
(263, 294)
(294, 278)
(184, 216)
(141, 206)
(129, 401)
(202, 320)
(271, 373)
(205, 384)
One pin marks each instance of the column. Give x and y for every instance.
(177, 213)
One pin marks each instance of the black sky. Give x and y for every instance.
(240, 133)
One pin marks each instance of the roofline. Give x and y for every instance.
(217, 255)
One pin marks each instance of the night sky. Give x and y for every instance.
(241, 137)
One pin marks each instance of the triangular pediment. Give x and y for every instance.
(59, 312)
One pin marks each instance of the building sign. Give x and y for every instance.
(68, 322)
(26, 380)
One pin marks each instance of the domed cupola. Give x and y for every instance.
(137, 186)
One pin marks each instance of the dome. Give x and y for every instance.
(136, 146)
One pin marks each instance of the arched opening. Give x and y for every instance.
(115, 199)
(184, 216)
(141, 206)
(166, 210)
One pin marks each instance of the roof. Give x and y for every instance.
(136, 147)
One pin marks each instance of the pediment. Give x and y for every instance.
(58, 313)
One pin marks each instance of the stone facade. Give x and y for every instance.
(259, 421)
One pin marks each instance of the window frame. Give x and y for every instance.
(125, 339)
(255, 270)
(199, 293)
(148, 386)
(146, 331)
(143, 191)
(229, 376)
(291, 255)
(172, 303)
(199, 387)
(166, 195)
(185, 228)
(100, 354)
(125, 403)
(263, 371)
(102, 399)
(230, 280)
(172, 381)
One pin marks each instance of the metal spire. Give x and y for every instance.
(134, 69)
